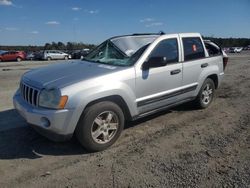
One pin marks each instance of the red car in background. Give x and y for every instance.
(13, 56)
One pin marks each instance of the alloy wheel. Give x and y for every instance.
(207, 94)
(104, 127)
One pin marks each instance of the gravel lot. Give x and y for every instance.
(176, 148)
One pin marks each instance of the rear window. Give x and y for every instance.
(193, 48)
(213, 49)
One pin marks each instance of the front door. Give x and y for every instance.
(160, 86)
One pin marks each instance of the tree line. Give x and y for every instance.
(230, 42)
(69, 46)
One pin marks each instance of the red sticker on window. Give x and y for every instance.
(194, 48)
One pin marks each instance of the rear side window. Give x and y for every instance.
(193, 48)
(167, 48)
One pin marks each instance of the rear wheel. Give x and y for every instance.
(18, 59)
(100, 126)
(206, 94)
(48, 58)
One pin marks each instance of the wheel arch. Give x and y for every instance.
(19, 57)
(117, 99)
(215, 79)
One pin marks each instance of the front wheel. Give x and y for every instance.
(66, 57)
(206, 94)
(100, 126)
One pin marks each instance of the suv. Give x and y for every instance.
(54, 54)
(124, 78)
(13, 56)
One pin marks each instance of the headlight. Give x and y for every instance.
(52, 99)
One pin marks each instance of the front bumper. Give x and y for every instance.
(53, 124)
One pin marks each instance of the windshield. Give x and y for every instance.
(122, 51)
(107, 53)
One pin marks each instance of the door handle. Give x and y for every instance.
(177, 71)
(204, 65)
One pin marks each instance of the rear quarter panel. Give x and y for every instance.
(215, 67)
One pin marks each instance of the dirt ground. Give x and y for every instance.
(181, 147)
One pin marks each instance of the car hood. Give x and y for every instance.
(63, 74)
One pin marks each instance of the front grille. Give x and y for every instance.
(29, 94)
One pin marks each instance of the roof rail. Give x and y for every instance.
(159, 33)
(137, 34)
(145, 34)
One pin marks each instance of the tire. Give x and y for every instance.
(206, 94)
(66, 57)
(48, 58)
(0, 60)
(100, 126)
(18, 59)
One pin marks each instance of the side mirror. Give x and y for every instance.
(153, 62)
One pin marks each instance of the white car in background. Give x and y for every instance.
(235, 49)
(55, 54)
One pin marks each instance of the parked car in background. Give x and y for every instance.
(30, 56)
(39, 55)
(247, 47)
(70, 52)
(13, 56)
(52, 55)
(55, 54)
(235, 50)
(79, 54)
(226, 49)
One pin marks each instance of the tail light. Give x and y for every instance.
(225, 61)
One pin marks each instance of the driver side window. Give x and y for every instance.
(168, 49)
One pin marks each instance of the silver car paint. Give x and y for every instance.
(85, 82)
(147, 81)
(61, 75)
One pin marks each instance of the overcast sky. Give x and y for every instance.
(35, 22)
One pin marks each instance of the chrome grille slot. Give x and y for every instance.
(29, 94)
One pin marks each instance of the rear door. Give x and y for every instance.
(194, 62)
(159, 86)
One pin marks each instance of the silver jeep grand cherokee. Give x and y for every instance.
(124, 78)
